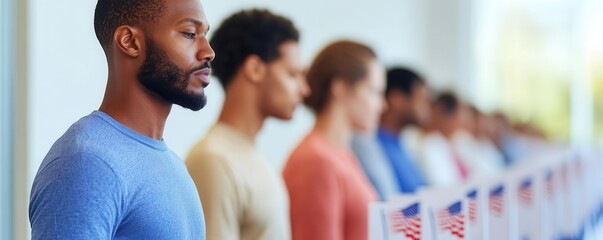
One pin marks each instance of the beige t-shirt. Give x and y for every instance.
(242, 196)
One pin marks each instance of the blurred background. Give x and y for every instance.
(539, 62)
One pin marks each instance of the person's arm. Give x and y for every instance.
(316, 202)
(219, 196)
(75, 197)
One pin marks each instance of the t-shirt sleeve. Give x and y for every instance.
(316, 201)
(75, 197)
(218, 193)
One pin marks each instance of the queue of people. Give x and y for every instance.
(378, 133)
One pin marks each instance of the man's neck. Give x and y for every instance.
(241, 112)
(334, 126)
(391, 124)
(136, 108)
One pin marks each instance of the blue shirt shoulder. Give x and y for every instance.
(102, 180)
(407, 174)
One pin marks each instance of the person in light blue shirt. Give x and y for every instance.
(111, 175)
(408, 104)
(375, 164)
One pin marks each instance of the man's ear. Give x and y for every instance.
(128, 40)
(254, 69)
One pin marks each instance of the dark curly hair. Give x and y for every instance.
(249, 32)
(110, 14)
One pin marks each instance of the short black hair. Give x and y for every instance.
(249, 32)
(402, 79)
(449, 102)
(110, 14)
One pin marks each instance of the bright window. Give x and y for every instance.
(541, 62)
(595, 50)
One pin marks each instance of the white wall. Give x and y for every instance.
(5, 101)
(67, 70)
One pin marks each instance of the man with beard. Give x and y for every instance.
(260, 68)
(111, 175)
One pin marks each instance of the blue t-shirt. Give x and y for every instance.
(407, 174)
(102, 180)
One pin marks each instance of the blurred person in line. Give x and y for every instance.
(259, 66)
(473, 145)
(486, 132)
(375, 164)
(439, 162)
(529, 130)
(408, 102)
(329, 192)
(502, 137)
(532, 141)
(515, 144)
(111, 175)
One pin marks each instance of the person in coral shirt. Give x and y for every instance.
(329, 192)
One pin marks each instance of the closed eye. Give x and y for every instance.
(189, 35)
